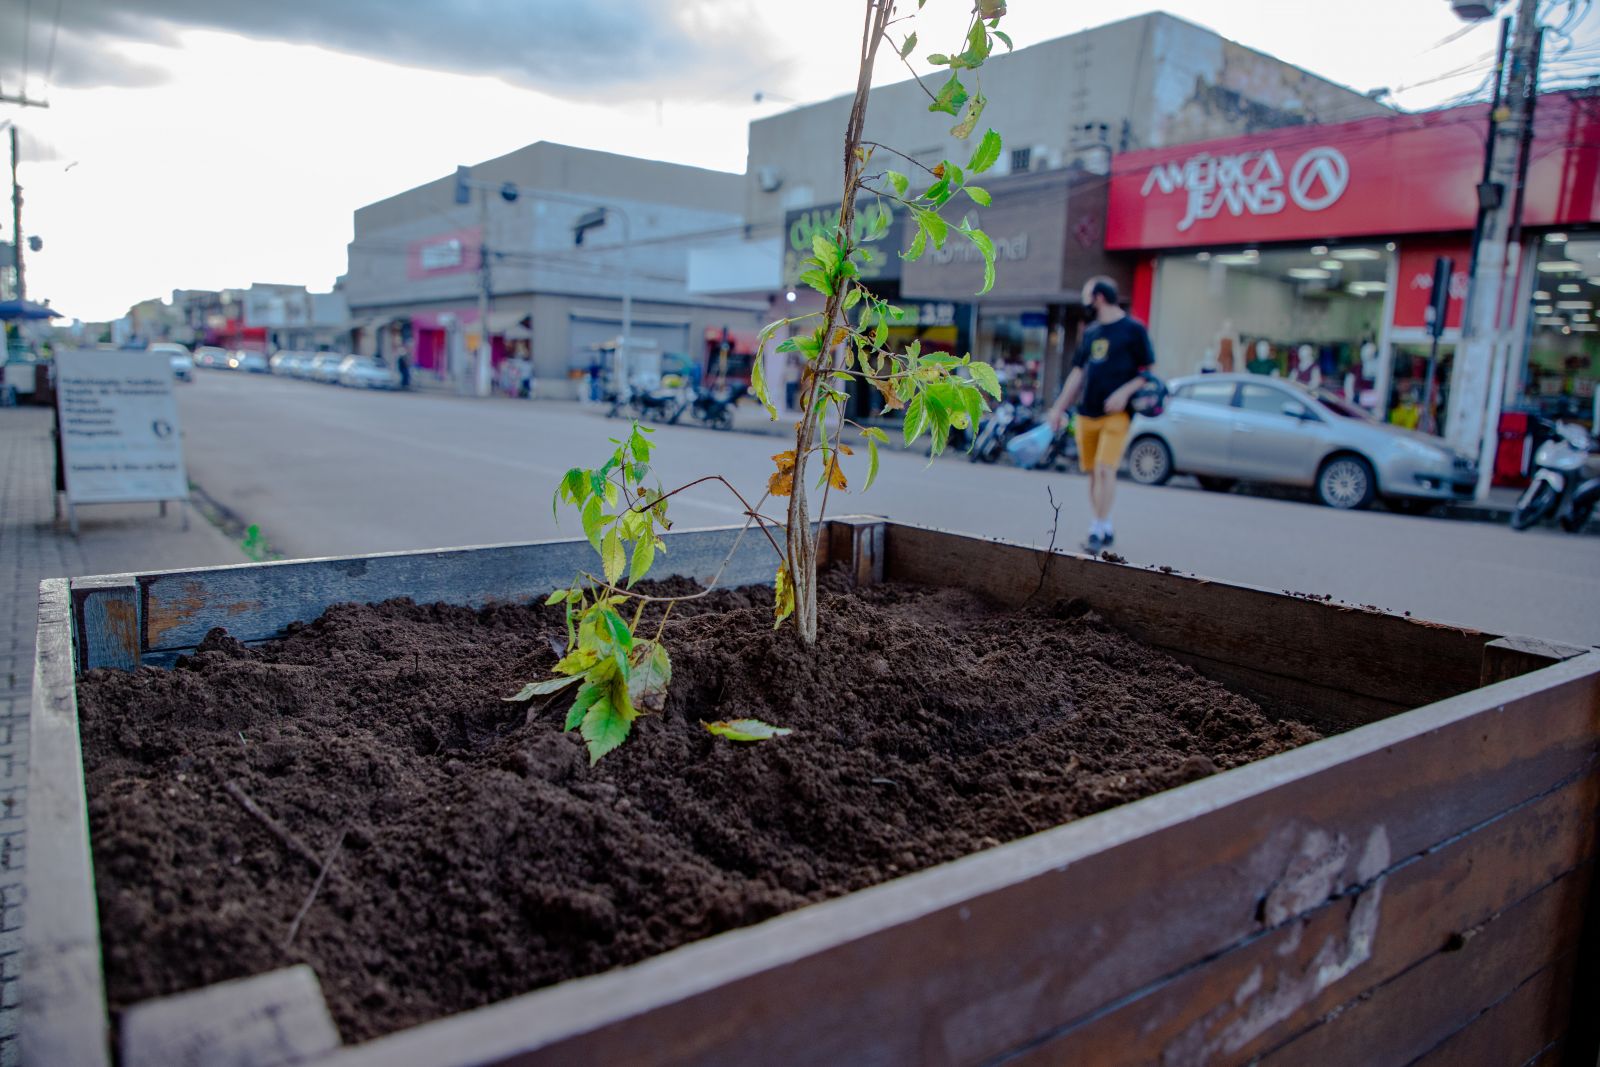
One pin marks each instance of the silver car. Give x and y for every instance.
(1229, 428)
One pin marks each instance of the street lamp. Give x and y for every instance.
(593, 219)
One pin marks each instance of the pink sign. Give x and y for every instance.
(455, 252)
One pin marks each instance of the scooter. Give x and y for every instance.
(714, 407)
(1007, 420)
(1566, 479)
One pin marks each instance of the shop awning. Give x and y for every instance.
(510, 325)
(377, 322)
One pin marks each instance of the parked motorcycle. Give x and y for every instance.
(1008, 419)
(714, 407)
(1566, 479)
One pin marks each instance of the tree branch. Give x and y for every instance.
(902, 155)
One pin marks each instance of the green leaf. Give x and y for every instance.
(919, 244)
(592, 516)
(905, 49)
(872, 463)
(986, 378)
(952, 96)
(972, 407)
(938, 192)
(916, 419)
(604, 728)
(964, 128)
(938, 59)
(875, 433)
(900, 182)
(758, 377)
(936, 228)
(979, 196)
(613, 556)
(746, 730)
(986, 246)
(818, 281)
(651, 676)
(852, 298)
(826, 252)
(1004, 38)
(640, 445)
(987, 154)
(644, 554)
(539, 689)
(557, 597)
(580, 707)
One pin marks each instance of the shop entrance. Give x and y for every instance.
(1408, 405)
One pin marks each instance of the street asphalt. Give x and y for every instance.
(326, 470)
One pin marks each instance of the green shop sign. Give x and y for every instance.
(800, 226)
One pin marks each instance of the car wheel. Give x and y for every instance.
(1150, 461)
(1346, 483)
(1216, 485)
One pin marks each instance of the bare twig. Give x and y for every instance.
(1049, 552)
(902, 155)
(289, 839)
(748, 510)
(316, 887)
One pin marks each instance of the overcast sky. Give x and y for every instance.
(212, 143)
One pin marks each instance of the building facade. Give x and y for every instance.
(417, 266)
(1311, 253)
(1066, 108)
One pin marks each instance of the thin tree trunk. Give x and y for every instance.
(802, 547)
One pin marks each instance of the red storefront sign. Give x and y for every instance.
(1384, 176)
(1414, 286)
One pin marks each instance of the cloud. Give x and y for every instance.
(611, 48)
(31, 148)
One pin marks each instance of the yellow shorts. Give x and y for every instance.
(1101, 441)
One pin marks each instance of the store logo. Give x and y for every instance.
(1251, 182)
(1324, 166)
(440, 255)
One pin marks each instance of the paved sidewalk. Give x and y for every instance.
(113, 539)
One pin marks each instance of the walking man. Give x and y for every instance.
(1106, 372)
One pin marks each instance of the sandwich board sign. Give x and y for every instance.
(118, 433)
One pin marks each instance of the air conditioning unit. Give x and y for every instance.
(1474, 10)
(771, 178)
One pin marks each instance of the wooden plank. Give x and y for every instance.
(256, 601)
(1330, 711)
(267, 1020)
(1510, 657)
(105, 612)
(856, 542)
(63, 1017)
(1515, 1029)
(1407, 1017)
(1248, 1000)
(973, 959)
(1372, 654)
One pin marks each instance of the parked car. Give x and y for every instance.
(211, 356)
(246, 360)
(178, 356)
(283, 361)
(365, 372)
(1228, 428)
(325, 367)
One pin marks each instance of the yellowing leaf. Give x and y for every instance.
(891, 399)
(782, 481)
(577, 662)
(613, 556)
(650, 677)
(782, 596)
(836, 476)
(537, 689)
(746, 730)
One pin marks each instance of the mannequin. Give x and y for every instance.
(1362, 388)
(1225, 345)
(1263, 363)
(1306, 371)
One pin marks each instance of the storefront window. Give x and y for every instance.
(1313, 314)
(1564, 344)
(1014, 343)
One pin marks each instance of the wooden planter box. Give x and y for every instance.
(1418, 886)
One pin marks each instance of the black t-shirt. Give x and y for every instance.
(1112, 355)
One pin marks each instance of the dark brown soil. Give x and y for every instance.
(482, 856)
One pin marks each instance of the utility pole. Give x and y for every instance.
(1480, 363)
(16, 220)
(482, 373)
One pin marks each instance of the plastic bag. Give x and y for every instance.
(1027, 449)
